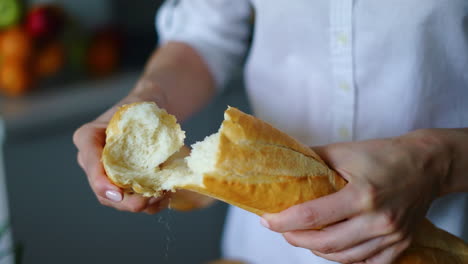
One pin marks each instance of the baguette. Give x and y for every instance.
(247, 163)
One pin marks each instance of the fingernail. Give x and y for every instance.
(114, 196)
(264, 223)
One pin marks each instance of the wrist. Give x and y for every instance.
(437, 156)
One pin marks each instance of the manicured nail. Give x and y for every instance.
(114, 196)
(264, 223)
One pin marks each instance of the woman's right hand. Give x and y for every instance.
(90, 139)
(175, 65)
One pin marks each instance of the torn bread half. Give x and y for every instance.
(252, 165)
(140, 139)
(247, 163)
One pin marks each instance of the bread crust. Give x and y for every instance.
(432, 245)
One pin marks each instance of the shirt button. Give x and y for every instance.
(344, 86)
(344, 133)
(342, 38)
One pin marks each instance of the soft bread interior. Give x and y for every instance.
(203, 157)
(141, 139)
(147, 136)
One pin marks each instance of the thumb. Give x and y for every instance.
(334, 154)
(325, 153)
(337, 156)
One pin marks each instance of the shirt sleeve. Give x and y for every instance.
(217, 29)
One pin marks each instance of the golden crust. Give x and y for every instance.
(239, 126)
(260, 198)
(263, 170)
(420, 255)
(432, 245)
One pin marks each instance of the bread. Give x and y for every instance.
(139, 139)
(432, 245)
(142, 141)
(248, 163)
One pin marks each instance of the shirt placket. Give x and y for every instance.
(344, 90)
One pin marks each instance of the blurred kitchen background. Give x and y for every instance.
(61, 64)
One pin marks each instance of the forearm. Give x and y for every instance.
(176, 75)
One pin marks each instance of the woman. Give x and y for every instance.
(380, 85)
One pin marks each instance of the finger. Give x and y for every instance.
(120, 206)
(135, 203)
(156, 205)
(337, 237)
(316, 213)
(363, 251)
(101, 185)
(388, 255)
(79, 158)
(94, 130)
(332, 153)
(109, 203)
(90, 140)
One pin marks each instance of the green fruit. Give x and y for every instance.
(10, 12)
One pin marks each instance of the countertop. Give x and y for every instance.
(64, 103)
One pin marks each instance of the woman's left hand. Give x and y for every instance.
(391, 184)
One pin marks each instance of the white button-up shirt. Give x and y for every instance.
(333, 70)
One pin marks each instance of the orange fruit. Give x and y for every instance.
(16, 43)
(49, 60)
(15, 77)
(2, 33)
